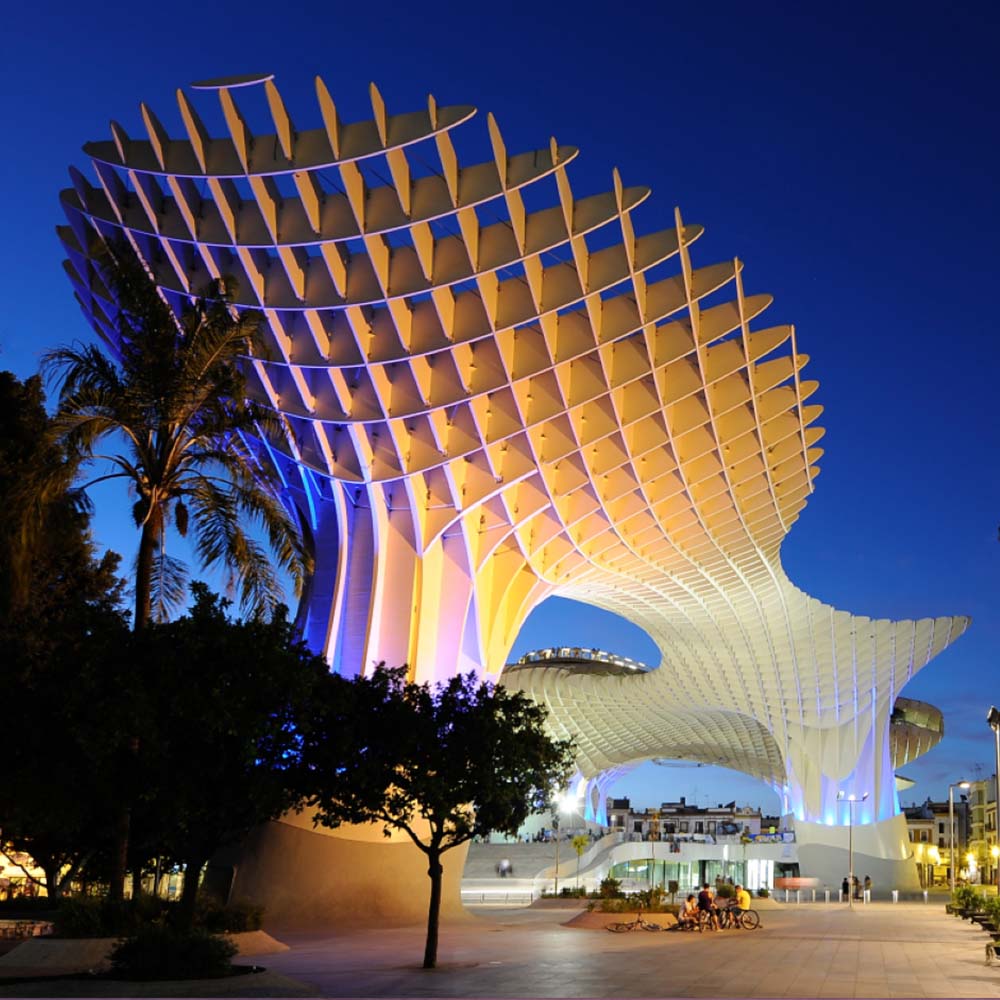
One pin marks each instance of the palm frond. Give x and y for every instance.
(169, 585)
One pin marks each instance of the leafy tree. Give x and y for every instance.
(62, 665)
(225, 704)
(173, 398)
(441, 764)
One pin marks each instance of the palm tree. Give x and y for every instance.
(172, 393)
(168, 397)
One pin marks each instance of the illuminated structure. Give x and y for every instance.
(488, 402)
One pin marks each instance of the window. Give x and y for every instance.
(637, 826)
(699, 827)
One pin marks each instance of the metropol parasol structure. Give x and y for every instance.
(494, 390)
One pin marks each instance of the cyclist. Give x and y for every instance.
(741, 905)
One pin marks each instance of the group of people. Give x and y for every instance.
(851, 883)
(703, 909)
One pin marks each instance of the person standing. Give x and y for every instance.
(868, 888)
(845, 890)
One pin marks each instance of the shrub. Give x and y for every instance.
(650, 899)
(158, 951)
(85, 917)
(611, 888)
(619, 904)
(725, 891)
(94, 918)
(24, 905)
(572, 892)
(233, 919)
(763, 893)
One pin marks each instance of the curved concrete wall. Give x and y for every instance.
(349, 876)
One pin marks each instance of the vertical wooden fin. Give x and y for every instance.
(331, 122)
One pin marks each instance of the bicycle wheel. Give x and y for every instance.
(619, 928)
(750, 920)
(651, 927)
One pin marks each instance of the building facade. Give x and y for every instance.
(496, 389)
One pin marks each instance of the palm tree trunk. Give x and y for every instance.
(435, 871)
(144, 576)
(143, 615)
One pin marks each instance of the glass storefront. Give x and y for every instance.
(647, 872)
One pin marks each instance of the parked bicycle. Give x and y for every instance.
(621, 926)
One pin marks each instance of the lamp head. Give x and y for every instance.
(993, 717)
(964, 784)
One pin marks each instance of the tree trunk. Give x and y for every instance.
(435, 871)
(189, 894)
(119, 852)
(144, 577)
(143, 614)
(135, 866)
(52, 887)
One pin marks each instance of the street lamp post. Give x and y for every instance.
(951, 827)
(555, 833)
(993, 718)
(851, 800)
(562, 806)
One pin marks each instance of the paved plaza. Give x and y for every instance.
(812, 950)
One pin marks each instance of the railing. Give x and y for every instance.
(473, 897)
(579, 653)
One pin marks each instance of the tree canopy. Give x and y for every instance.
(63, 664)
(224, 703)
(442, 764)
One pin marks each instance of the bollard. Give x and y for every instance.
(827, 894)
(867, 896)
(925, 895)
(798, 895)
(895, 895)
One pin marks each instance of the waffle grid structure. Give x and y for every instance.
(488, 402)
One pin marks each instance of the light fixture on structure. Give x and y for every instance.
(851, 801)
(563, 803)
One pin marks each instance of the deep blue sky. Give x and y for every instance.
(848, 156)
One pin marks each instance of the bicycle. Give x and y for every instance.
(731, 918)
(621, 926)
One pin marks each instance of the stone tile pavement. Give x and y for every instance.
(808, 950)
